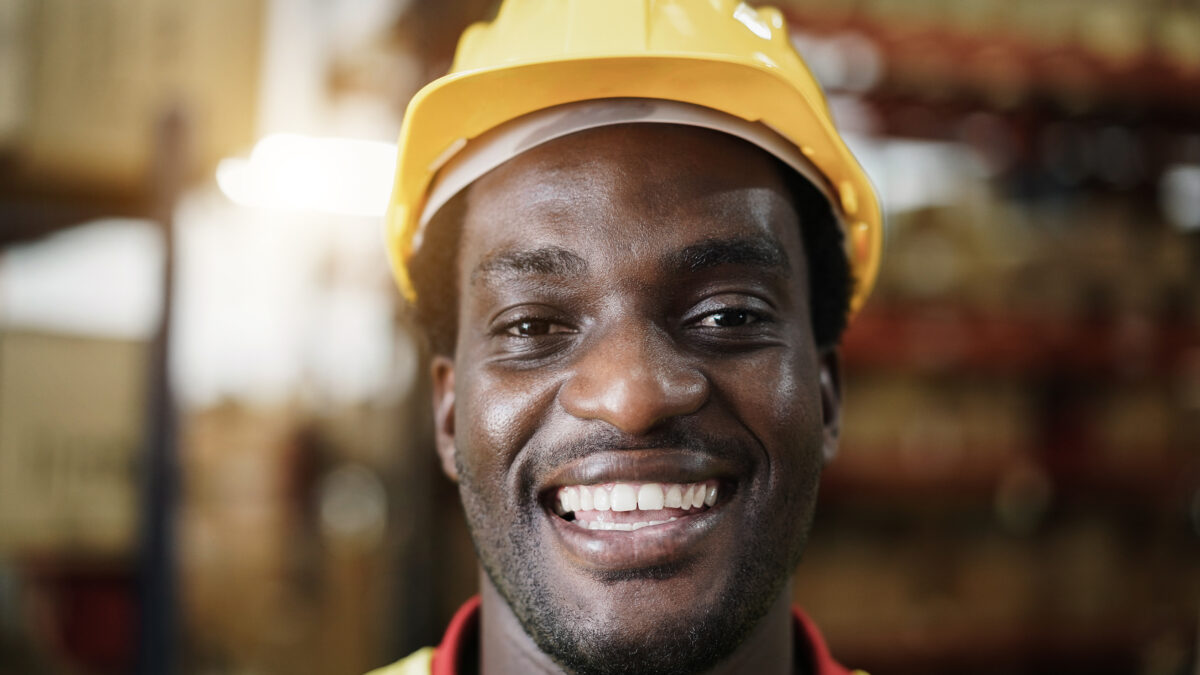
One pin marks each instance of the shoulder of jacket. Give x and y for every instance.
(419, 662)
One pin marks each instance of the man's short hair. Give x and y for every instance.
(434, 266)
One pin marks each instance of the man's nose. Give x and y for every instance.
(634, 378)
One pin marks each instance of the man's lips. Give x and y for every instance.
(657, 541)
(635, 509)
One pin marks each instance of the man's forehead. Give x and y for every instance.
(669, 195)
(653, 168)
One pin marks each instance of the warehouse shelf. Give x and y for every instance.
(958, 340)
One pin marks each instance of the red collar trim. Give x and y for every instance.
(465, 626)
(808, 634)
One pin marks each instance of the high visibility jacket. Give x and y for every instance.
(444, 660)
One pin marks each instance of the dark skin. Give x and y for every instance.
(633, 306)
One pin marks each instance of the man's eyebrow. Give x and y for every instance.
(753, 251)
(548, 260)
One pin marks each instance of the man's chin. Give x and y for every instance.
(691, 648)
(689, 644)
(651, 621)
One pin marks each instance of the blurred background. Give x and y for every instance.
(214, 449)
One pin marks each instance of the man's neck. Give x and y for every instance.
(506, 649)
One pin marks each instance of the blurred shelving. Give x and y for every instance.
(1018, 481)
(941, 339)
(1020, 466)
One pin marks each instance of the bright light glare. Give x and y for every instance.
(300, 173)
(104, 279)
(912, 175)
(750, 19)
(1179, 193)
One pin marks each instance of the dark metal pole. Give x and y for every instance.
(160, 474)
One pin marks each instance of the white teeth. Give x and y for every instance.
(600, 499)
(674, 498)
(624, 527)
(635, 496)
(569, 498)
(650, 497)
(623, 497)
(638, 526)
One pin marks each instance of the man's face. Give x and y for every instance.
(633, 318)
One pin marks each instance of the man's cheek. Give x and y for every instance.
(775, 394)
(500, 415)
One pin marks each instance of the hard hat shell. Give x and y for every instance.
(719, 54)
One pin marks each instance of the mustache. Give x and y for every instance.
(673, 436)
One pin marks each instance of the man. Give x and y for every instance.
(621, 224)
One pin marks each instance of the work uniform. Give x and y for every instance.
(462, 637)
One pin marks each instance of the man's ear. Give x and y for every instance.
(443, 413)
(831, 402)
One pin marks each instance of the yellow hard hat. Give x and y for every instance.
(719, 54)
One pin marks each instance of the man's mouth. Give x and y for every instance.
(627, 507)
(618, 511)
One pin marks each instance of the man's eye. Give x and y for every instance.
(533, 328)
(729, 318)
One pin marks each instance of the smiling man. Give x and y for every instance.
(634, 238)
